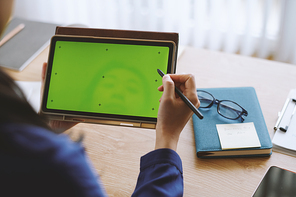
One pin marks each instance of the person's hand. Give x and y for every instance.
(173, 113)
(56, 125)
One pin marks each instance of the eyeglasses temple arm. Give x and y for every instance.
(226, 106)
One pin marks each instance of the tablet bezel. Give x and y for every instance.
(90, 116)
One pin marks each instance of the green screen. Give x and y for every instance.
(106, 78)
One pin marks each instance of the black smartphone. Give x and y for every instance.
(277, 182)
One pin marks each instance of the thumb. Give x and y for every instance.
(168, 86)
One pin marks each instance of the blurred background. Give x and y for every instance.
(258, 28)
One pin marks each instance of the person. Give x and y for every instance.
(38, 162)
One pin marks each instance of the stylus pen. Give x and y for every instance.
(184, 98)
(281, 114)
(292, 115)
(12, 33)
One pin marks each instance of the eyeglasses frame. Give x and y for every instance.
(218, 102)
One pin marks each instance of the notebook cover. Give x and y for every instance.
(205, 132)
(21, 49)
(78, 31)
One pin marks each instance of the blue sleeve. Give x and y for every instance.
(160, 174)
(40, 163)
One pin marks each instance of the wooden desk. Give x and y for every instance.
(116, 151)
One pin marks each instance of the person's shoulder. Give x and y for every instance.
(50, 162)
(33, 140)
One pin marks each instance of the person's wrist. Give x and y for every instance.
(166, 140)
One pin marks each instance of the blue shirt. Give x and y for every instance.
(37, 162)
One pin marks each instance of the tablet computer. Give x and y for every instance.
(106, 80)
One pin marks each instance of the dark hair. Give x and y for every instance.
(14, 107)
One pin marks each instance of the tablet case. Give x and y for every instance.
(150, 35)
(206, 136)
(92, 32)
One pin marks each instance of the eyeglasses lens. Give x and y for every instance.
(229, 109)
(205, 99)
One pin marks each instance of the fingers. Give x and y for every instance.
(43, 71)
(186, 83)
(42, 78)
(182, 81)
(187, 79)
(168, 87)
(160, 88)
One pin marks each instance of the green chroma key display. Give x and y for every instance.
(106, 78)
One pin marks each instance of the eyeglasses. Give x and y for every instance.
(226, 108)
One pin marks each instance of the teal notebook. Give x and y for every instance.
(206, 136)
